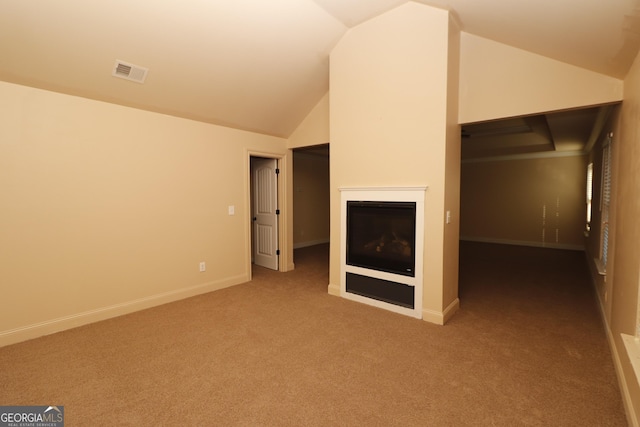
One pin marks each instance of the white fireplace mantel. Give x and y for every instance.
(385, 194)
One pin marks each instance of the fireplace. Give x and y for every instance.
(382, 235)
(382, 247)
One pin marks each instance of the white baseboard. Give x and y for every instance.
(632, 345)
(24, 333)
(524, 243)
(432, 316)
(441, 317)
(310, 243)
(333, 290)
(632, 417)
(451, 310)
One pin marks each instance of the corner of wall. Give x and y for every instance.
(314, 129)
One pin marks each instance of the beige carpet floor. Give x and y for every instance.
(527, 348)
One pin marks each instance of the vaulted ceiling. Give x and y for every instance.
(262, 65)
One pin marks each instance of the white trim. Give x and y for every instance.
(523, 243)
(528, 156)
(450, 310)
(333, 290)
(369, 190)
(381, 304)
(632, 417)
(632, 344)
(385, 194)
(13, 336)
(440, 318)
(624, 389)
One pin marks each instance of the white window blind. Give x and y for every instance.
(589, 193)
(605, 201)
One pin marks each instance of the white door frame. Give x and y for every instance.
(285, 220)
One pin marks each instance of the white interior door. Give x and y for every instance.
(265, 215)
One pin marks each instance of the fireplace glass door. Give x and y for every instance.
(381, 236)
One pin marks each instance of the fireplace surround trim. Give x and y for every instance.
(415, 194)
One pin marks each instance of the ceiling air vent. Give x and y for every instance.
(131, 72)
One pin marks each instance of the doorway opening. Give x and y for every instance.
(311, 199)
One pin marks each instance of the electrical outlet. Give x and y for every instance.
(203, 266)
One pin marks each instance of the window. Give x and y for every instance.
(589, 194)
(605, 202)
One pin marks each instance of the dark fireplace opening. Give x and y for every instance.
(382, 236)
(382, 290)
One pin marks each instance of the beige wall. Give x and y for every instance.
(310, 183)
(451, 247)
(528, 201)
(619, 289)
(314, 129)
(310, 199)
(498, 81)
(107, 209)
(389, 122)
